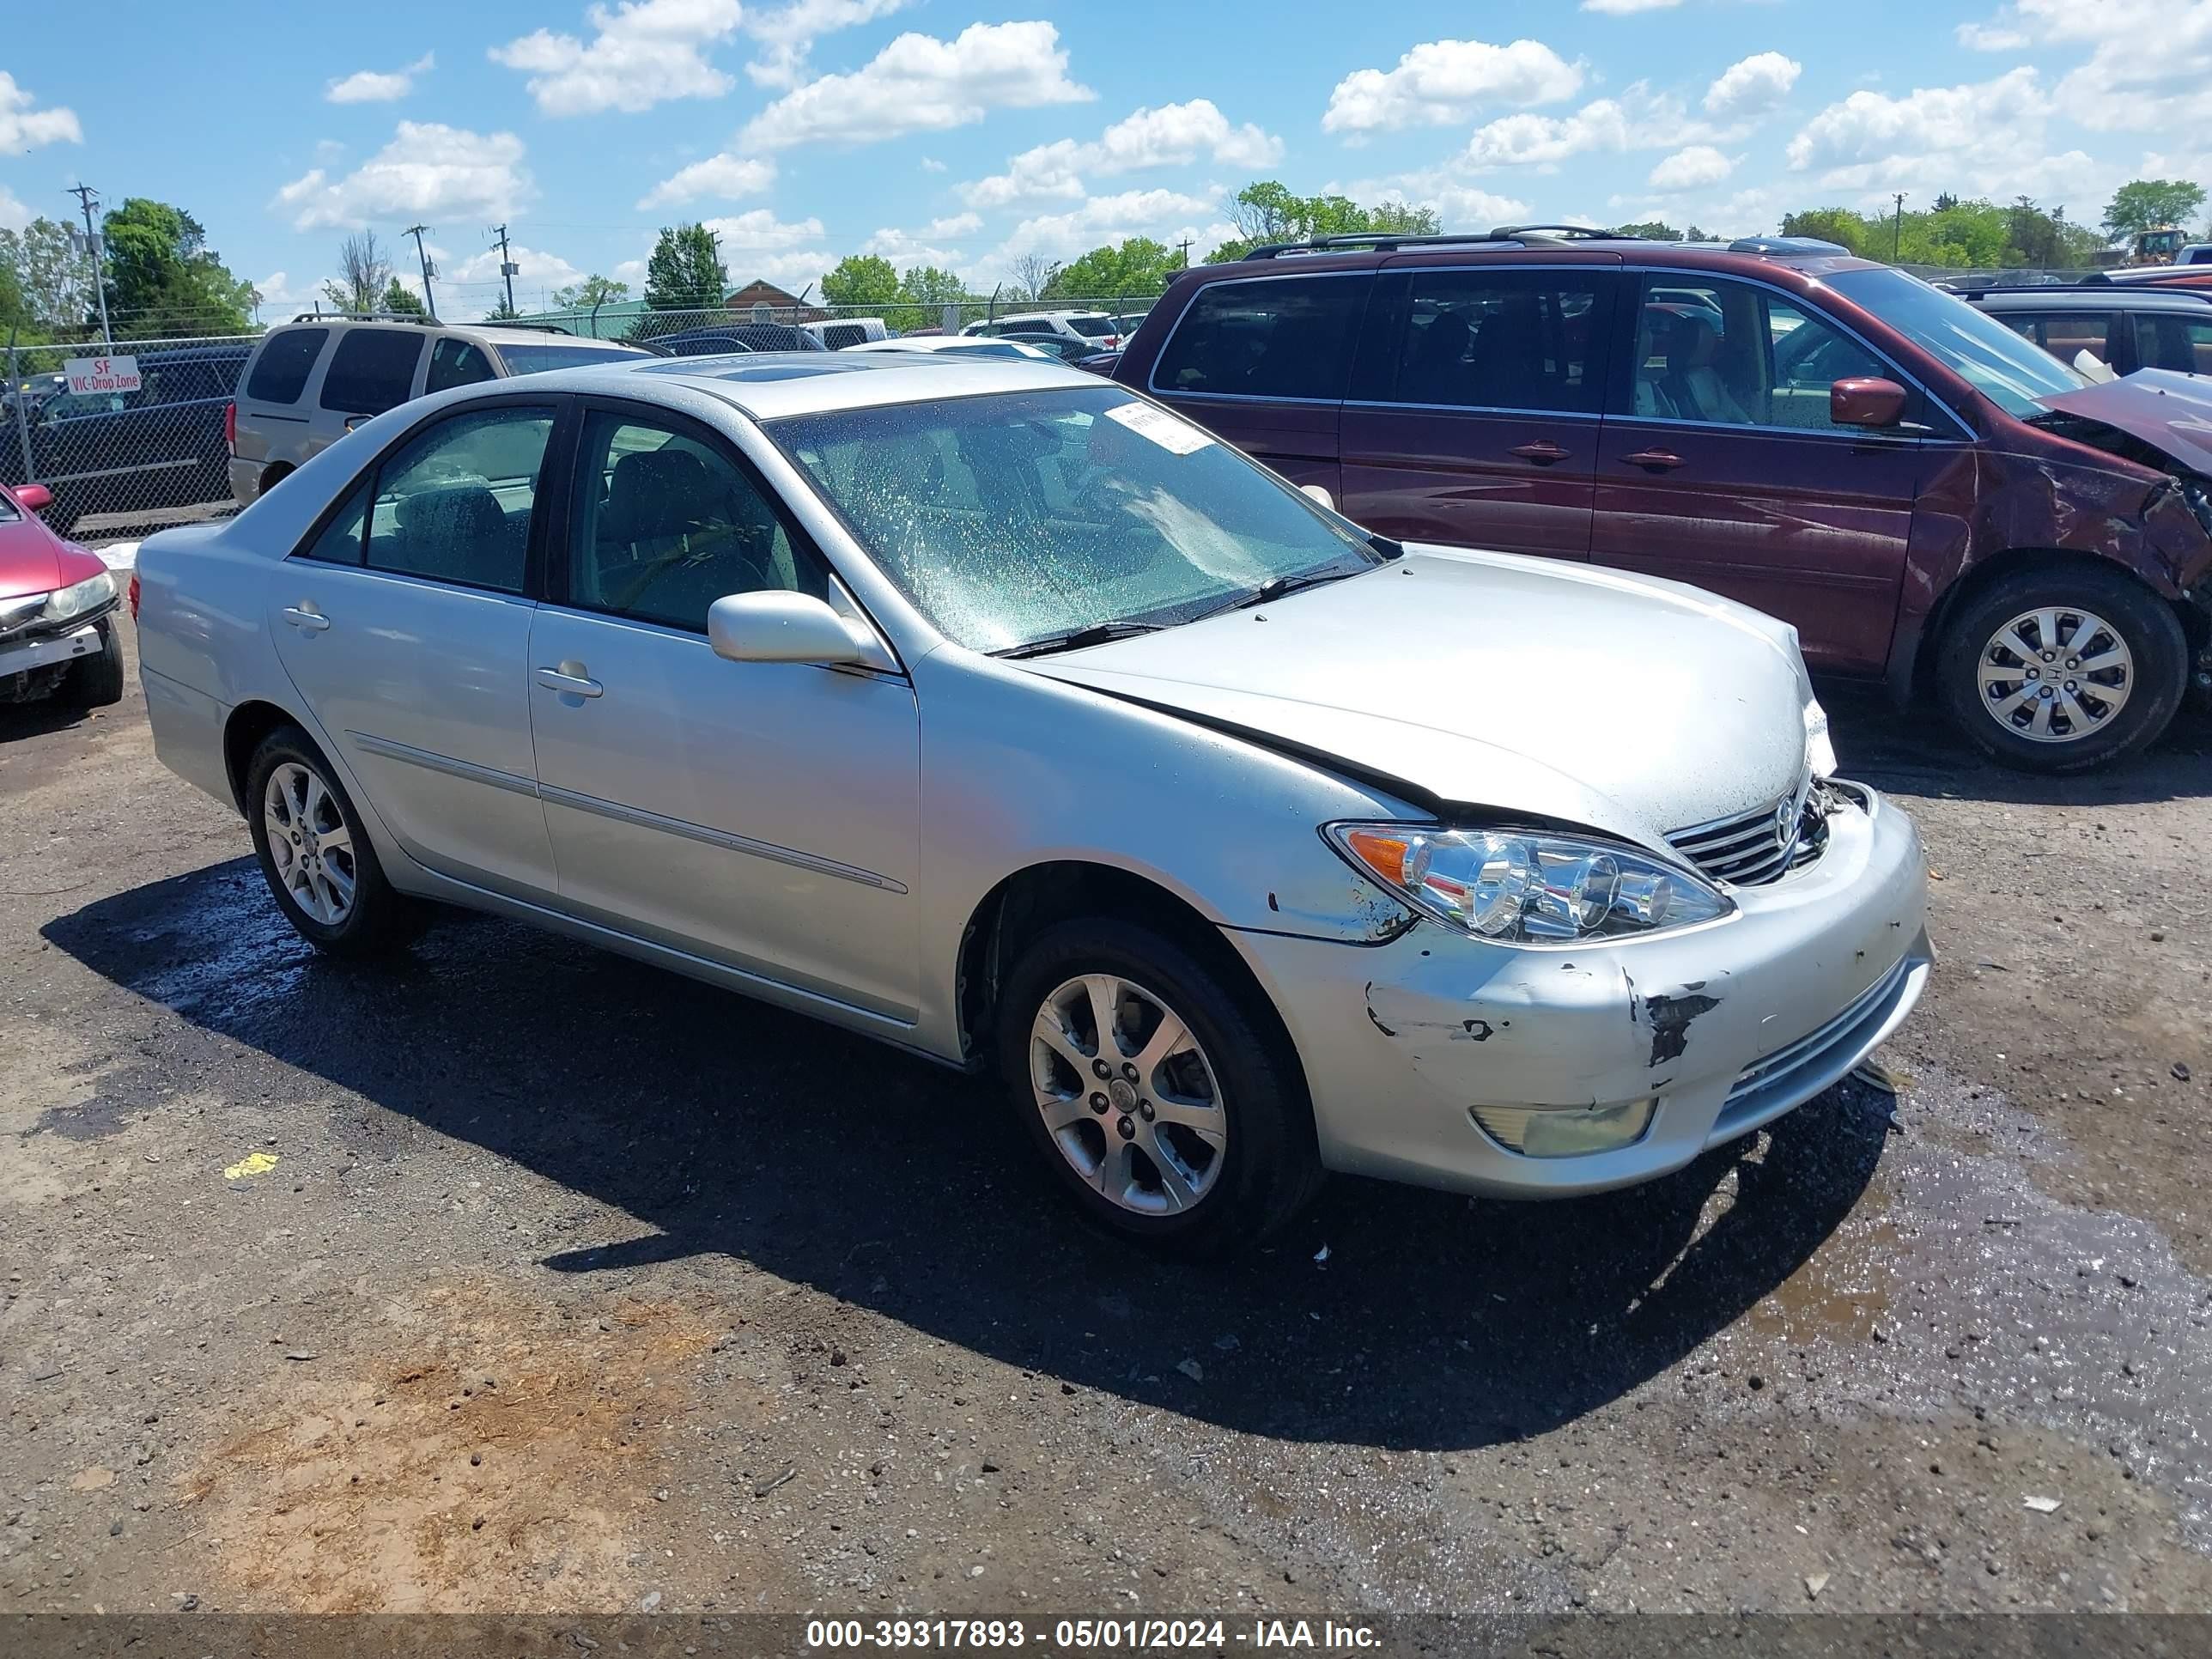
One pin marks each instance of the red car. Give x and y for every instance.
(57, 637)
(1930, 499)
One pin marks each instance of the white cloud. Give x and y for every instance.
(724, 177)
(1166, 215)
(906, 249)
(644, 52)
(2149, 65)
(1545, 141)
(377, 86)
(1694, 169)
(746, 234)
(788, 33)
(1623, 8)
(281, 297)
(1752, 87)
(14, 216)
(1173, 135)
(469, 288)
(921, 84)
(1926, 135)
(1458, 204)
(429, 170)
(931, 164)
(1443, 82)
(24, 128)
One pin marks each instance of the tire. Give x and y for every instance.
(2125, 705)
(269, 479)
(95, 682)
(1263, 1169)
(375, 919)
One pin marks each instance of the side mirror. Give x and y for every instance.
(1866, 401)
(780, 627)
(1320, 493)
(33, 498)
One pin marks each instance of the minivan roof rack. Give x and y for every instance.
(2107, 290)
(1384, 240)
(1784, 245)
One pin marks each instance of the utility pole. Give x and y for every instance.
(86, 196)
(1897, 234)
(506, 268)
(429, 304)
(1183, 247)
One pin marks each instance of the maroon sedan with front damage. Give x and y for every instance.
(58, 636)
(1930, 499)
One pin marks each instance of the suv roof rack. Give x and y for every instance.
(1383, 241)
(366, 317)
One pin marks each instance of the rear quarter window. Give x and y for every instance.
(279, 373)
(1284, 336)
(372, 370)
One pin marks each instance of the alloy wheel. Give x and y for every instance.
(2056, 675)
(1128, 1094)
(309, 843)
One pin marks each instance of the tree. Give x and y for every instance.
(1032, 275)
(400, 300)
(2147, 203)
(364, 272)
(1138, 265)
(861, 279)
(502, 311)
(1266, 210)
(1656, 230)
(928, 285)
(1402, 219)
(593, 290)
(1838, 225)
(685, 272)
(162, 279)
(52, 278)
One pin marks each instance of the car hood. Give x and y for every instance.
(2171, 412)
(32, 561)
(1520, 687)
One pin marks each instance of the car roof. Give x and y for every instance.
(1750, 256)
(2101, 297)
(770, 384)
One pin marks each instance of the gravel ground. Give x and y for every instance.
(515, 1277)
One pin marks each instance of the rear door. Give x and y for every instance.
(2174, 340)
(1720, 467)
(1475, 407)
(404, 622)
(371, 370)
(1263, 361)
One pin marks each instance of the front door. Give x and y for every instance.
(1262, 363)
(1474, 412)
(404, 622)
(1720, 467)
(765, 815)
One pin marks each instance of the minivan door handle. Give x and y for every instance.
(1655, 460)
(574, 685)
(306, 619)
(1543, 451)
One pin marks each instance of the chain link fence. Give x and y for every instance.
(128, 437)
(632, 321)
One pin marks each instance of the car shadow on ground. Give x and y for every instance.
(19, 721)
(1914, 754)
(729, 1129)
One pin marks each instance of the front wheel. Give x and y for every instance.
(96, 682)
(315, 855)
(1160, 1092)
(2063, 669)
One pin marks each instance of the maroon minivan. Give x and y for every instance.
(1929, 498)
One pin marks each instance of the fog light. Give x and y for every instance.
(1537, 1134)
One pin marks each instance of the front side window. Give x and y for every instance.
(1499, 339)
(453, 503)
(1286, 337)
(279, 373)
(664, 523)
(372, 370)
(1018, 518)
(1729, 353)
(456, 362)
(2011, 371)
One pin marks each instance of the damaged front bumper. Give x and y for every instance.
(1721, 1028)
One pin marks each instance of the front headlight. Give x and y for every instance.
(80, 597)
(1820, 748)
(1514, 888)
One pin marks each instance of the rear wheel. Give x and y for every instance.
(95, 682)
(1161, 1094)
(315, 855)
(2061, 668)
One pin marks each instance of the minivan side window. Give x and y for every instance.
(453, 504)
(456, 362)
(280, 373)
(1284, 337)
(372, 370)
(1729, 354)
(1502, 339)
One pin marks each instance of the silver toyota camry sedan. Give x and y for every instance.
(993, 711)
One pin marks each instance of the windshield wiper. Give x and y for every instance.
(1096, 633)
(1276, 586)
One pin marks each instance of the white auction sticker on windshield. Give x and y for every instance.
(1178, 437)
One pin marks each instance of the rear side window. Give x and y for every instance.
(456, 362)
(372, 370)
(454, 503)
(2066, 334)
(342, 538)
(1287, 337)
(1095, 328)
(2183, 343)
(1502, 339)
(280, 373)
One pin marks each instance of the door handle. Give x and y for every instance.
(1543, 451)
(1655, 460)
(307, 621)
(574, 685)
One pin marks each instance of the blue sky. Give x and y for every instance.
(967, 134)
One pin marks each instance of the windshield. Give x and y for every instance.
(2011, 371)
(1095, 328)
(1021, 517)
(535, 359)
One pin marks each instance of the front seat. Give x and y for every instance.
(1693, 345)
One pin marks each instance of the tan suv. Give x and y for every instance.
(313, 380)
